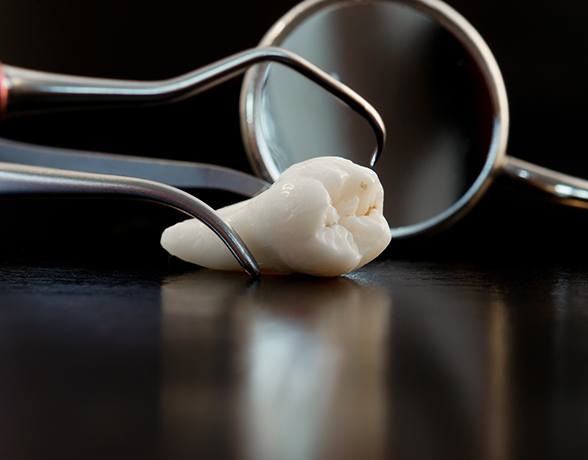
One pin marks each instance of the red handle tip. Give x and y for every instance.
(3, 92)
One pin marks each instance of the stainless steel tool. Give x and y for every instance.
(23, 168)
(436, 84)
(423, 66)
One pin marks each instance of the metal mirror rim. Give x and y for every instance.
(253, 84)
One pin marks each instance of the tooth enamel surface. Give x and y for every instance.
(322, 217)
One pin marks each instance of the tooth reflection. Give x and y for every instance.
(498, 407)
(302, 365)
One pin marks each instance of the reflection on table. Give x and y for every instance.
(400, 360)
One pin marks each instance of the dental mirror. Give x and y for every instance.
(428, 73)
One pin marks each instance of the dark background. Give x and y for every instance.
(480, 343)
(540, 46)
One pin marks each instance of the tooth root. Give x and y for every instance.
(322, 217)
(193, 242)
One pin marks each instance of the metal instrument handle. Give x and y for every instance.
(19, 180)
(181, 174)
(23, 91)
(566, 189)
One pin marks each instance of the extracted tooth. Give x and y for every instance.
(322, 217)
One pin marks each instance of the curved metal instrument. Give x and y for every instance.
(24, 91)
(30, 180)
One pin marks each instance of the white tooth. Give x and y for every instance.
(322, 217)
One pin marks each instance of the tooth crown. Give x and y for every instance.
(322, 217)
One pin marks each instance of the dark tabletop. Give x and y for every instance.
(398, 360)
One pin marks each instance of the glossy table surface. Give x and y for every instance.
(399, 360)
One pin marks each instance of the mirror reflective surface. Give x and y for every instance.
(434, 102)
